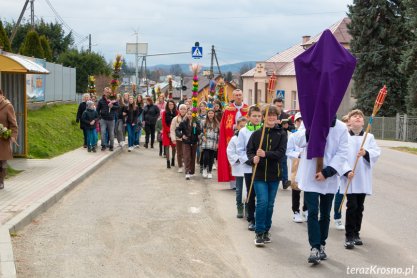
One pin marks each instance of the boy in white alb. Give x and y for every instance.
(361, 183)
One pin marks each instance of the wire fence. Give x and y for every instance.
(401, 127)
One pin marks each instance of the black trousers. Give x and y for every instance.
(354, 214)
(85, 136)
(208, 159)
(251, 201)
(296, 201)
(150, 131)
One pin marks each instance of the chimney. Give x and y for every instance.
(305, 39)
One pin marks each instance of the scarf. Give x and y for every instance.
(252, 127)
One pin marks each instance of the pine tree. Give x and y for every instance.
(46, 47)
(378, 34)
(4, 40)
(409, 64)
(31, 46)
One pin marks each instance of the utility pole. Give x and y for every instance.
(214, 56)
(18, 21)
(137, 58)
(32, 13)
(89, 43)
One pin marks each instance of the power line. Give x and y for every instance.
(62, 20)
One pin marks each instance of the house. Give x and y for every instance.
(255, 81)
(203, 88)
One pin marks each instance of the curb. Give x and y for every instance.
(7, 265)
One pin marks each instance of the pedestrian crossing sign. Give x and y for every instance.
(197, 52)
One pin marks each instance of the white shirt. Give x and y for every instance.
(238, 113)
(362, 181)
(242, 142)
(335, 156)
(232, 156)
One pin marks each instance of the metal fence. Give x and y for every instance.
(406, 128)
(401, 127)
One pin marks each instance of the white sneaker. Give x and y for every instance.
(297, 218)
(339, 224)
(305, 215)
(187, 176)
(136, 146)
(214, 166)
(179, 170)
(205, 173)
(209, 176)
(130, 149)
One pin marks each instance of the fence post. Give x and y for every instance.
(397, 126)
(405, 127)
(383, 127)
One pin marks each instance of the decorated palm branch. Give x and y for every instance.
(195, 69)
(378, 104)
(114, 84)
(170, 91)
(91, 85)
(220, 91)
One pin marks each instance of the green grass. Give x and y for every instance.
(52, 131)
(12, 172)
(406, 149)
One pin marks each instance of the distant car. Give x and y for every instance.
(291, 113)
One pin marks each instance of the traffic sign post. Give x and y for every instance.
(197, 51)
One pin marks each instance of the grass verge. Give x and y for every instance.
(406, 149)
(12, 172)
(52, 131)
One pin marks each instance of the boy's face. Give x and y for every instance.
(241, 125)
(255, 118)
(356, 121)
(271, 119)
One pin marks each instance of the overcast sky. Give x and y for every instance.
(240, 30)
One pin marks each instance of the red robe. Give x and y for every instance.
(224, 172)
(166, 132)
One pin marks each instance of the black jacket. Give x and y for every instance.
(87, 116)
(150, 114)
(275, 146)
(103, 109)
(285, 116)
(188, 130)
(131, 115)
(81, 109)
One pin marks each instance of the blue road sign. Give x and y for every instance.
(280, 94)
(197, 52)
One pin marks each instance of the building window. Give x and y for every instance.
(293, 100)
(250, 96)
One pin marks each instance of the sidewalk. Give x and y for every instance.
(42, 183)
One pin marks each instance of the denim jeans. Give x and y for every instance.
(130, 134)
(107, 127)
(337, 201)
(318, 231)
(91, 136)
(239, 188)
(85, 136)
(138, 134)
(266, 192)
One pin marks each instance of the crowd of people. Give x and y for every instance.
(252, 147)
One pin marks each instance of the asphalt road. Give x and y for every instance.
(134, 218)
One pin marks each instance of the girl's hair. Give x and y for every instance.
(252, 109)
(205, 106)
(149, 99)
(139, 103)
(214, 123)
(167, 105)
(133, 105)
(219, 103)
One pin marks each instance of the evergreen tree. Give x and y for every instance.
(4, 40)
(47, 51)
(31, 46)
(378, 34)
(86, 63)
(409, 64)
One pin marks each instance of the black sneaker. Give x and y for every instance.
(89, 150)
(94, 150)
(322, 253)
(357, 240)
(239, 211)
(103, 148)
(314, 256)
(286, 184)
(259, 240)
(146, 145)
(349, 243)
(111, 148)
(251, 226)
(267, 237)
